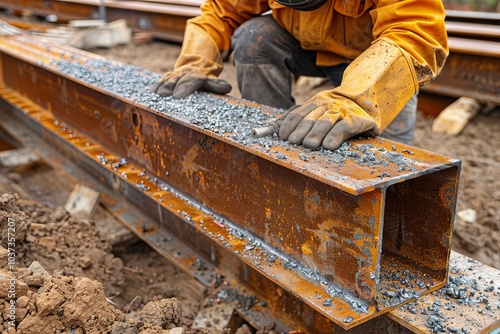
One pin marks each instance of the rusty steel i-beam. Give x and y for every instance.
(326, 243)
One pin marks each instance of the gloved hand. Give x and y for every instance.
(326, 123)
(375, 88)
(183, 82)
(197, 67)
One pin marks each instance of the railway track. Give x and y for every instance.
(252, 212)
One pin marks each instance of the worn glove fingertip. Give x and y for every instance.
(185, 88)
(217, 86)
(332, 145)
(284, 132)
(289, 125)
(154, 87)
(312, 143)
(164, 90)
(295, 138)
(337, 136)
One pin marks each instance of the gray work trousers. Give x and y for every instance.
(267, 58)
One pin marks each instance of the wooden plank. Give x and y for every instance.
(21, 157)
(455, 117)
(82, 202)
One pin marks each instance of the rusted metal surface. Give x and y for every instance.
(473, 66)
(473, 317)
(323, 241)
(490, 49)
(26, 131)
(165, 21)
(472, 70)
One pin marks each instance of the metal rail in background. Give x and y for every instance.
(473, 66)
(322, 242)
(469, 72)
(473, 17)
(165, 21)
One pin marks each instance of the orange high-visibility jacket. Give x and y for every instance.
(341, 30)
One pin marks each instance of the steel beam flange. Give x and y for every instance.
(326, 236)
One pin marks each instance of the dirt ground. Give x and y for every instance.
(64, 265)
(64, 262)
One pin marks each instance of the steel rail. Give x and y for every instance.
(165, 21)
(20, 129)
(473, 17)
(314, 237)
(25, 131)
(479, 30)
(473, 66)
(472, 69)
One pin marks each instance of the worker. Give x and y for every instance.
(377, 54)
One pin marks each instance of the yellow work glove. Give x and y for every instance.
(375, 88)
(197, 67)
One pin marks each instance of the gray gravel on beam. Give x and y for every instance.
(216, 114)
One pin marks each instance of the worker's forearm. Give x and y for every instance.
(418, 28)
(381, 81)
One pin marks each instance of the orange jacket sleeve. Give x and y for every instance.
(417, 27)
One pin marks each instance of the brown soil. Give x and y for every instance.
(70, 280)
(64, 264)
(63, 267)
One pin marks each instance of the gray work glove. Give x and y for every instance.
(180, 84)
(197, 67)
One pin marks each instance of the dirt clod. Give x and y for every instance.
(162, 312)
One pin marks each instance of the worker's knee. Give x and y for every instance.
(256, 41)
(402, 128)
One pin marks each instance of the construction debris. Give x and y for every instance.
(18, 158)
(98, 34)
(82, 202)
(83, 34)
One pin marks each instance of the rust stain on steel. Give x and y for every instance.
(339, 224)
(207, 230)
(472, 75)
